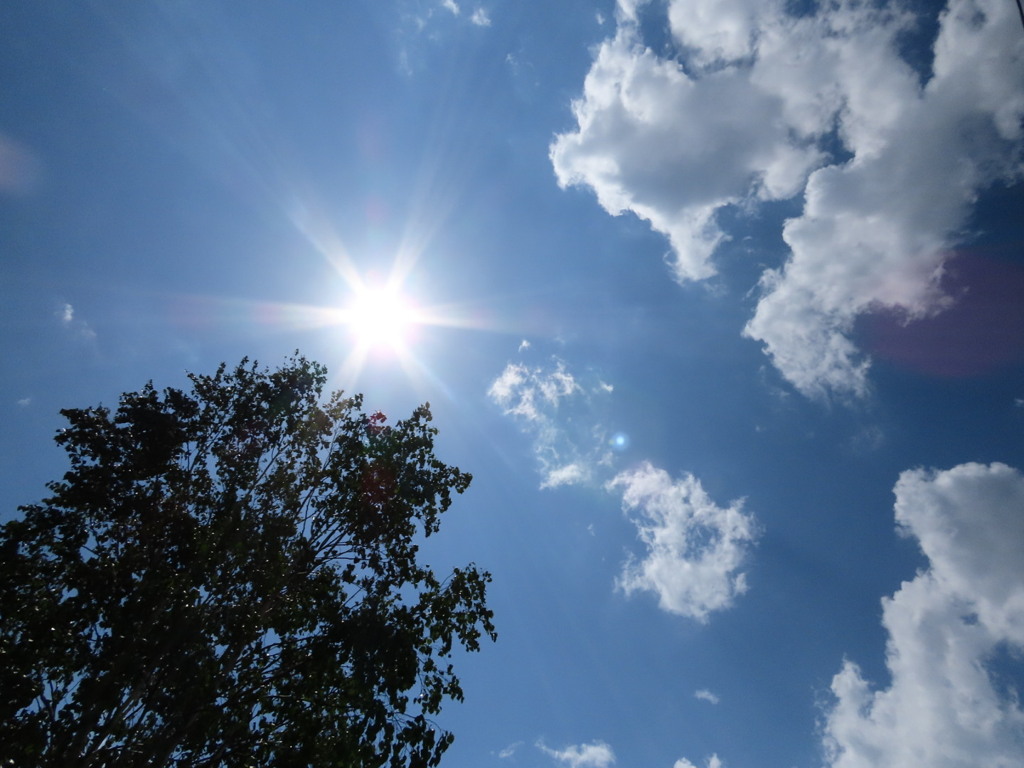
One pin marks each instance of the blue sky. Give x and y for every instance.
(722, 304)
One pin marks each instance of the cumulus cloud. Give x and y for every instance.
(876, 230)
(597, 754)
(947, 705)
(761, 104)
(538, 397)
(695, 548)
(673, 149)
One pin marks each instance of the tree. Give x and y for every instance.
(228, 576)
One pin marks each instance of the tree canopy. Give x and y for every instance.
(228, 576)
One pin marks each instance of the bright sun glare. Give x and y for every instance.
(381, 318)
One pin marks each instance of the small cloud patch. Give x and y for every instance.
(705, 695)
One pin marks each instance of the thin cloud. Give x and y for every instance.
(75, 325)
(756, 112)
(481, 18)
(452, 6)
(695, 548)
(945, 706)
(510, 750)
(568, 474)
(530, 392)
(712, 762)
(597, 754)
(705, 695)
(538, 397)
(19, 168)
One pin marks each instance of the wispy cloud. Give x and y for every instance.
(429, 23)
(712, 762)
(531, 392)
(567, 450)
(510, 750)
(572, 473)
(770, 106)
(947, 703)
(597, 754)
(19, 168)
(705, 695)
(695, 548)
(75, 325)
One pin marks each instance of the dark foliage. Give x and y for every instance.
(228, 576)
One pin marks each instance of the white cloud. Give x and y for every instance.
(510, 750)
(544, 399)
(713, 762)
(452, 6)
(672, 149)
(568, 474)
(694, 547)
(754, 109)
(78, 327)
(705, 695)
(598, 754)
(524, 391)
(944, 707)
(594, 755)
(24, 402)
(714, 30)
(481, 18)
(875, 231)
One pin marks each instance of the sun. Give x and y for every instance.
(381, 318)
